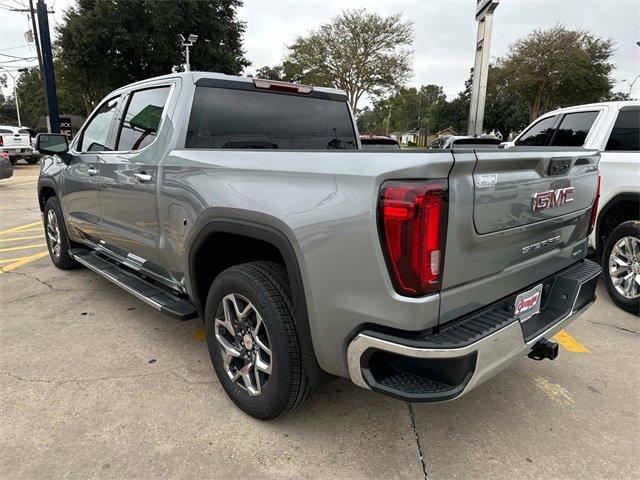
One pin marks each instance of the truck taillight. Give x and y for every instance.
(594, 209)
(412, 223)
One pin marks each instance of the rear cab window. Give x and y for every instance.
(229, 118)
(625, 135)
(573, 129)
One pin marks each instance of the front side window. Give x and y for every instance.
(573, 129)
(142, 119)
(625, 135)
(538, 134)
(230, 118)
(95, 137)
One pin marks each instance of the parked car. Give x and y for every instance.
(16, 141)
(613, 128)
(221, 197)
(451, 141)
(378, 142)
(6, 167)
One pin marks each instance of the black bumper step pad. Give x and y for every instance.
(564, 292)
(146, 291)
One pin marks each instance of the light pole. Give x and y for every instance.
(186, 44)
(388, 120)
(484, 17)
(15, 94)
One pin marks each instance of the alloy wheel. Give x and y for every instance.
(53, 233)
(624, 267)
(244, 343)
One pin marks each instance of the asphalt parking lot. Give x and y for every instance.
(95, 384)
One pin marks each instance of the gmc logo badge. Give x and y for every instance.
(551, 199)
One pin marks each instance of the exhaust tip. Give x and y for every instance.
(544, 349)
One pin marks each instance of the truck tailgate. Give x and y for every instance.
(17, 140)
(530, 218)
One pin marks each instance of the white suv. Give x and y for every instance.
(614, 129)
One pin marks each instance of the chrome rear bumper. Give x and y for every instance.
(380, 362)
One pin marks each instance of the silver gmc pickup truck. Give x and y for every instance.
(249, 203)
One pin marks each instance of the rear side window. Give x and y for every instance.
(626, 131)
(538, 134)
(95, 137)
(4, 130)
(142, 118)
(229, 118)
(573, 129)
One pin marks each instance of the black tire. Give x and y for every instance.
(32, 160)
(626, 229)
(265, 285)
(13, 160)
(59, 256)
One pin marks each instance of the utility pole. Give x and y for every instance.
(484, 17)
(36, 39)
(48, 73)
(15, 94)
(186, 44)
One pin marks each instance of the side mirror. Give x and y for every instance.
(52, 143)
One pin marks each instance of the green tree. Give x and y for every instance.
(104, 44)
(411, 108)
(557, 67)
(358, 51)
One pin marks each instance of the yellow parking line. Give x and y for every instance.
(569, 342)
(22, 247)
(21, 228)
(23, 261)
(15, 239)
(200, 335)
(19, 184)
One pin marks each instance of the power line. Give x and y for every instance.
(13, 56)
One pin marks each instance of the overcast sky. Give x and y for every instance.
(444, 31)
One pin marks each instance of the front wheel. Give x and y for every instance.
(621, 264)
(57, 237)
(252, 340)
(32, 160)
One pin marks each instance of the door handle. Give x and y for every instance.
(92, 171)
(142, 177)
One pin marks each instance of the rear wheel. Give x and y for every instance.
(32, 160)
(621, 264)
(57, 237)
(253, 342)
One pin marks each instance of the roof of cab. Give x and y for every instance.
(195, 76)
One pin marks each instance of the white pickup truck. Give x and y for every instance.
(614, 129)
(17, 142)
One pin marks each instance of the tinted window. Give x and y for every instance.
(142, 118)
(438, 143)
(228, 118)
(626, 131)
(4, 130)
(380, 146)
(573, 129)
(95, 135)
(538, 134)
